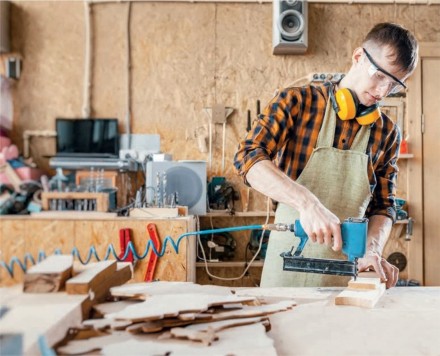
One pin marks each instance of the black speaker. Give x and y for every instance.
(289, 26)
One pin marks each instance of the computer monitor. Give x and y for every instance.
(84, 137)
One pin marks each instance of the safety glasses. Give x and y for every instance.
(382, 77)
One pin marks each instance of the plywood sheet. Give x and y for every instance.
(168, 305)
(12, 244)
(160, 287)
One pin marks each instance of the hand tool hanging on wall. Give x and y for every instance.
(218, 114)
(152, 261)
(124, 240)
(354, 244)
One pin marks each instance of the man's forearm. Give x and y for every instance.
(266, 178)
(379, 229)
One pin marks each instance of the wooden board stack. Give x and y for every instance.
(364, 292)
(189, 317)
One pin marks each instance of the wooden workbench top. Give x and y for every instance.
(405, 321)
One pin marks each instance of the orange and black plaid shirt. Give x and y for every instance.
(287, 130)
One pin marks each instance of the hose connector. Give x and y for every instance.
(278, 227)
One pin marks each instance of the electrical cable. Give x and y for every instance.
(253, 258)
(111, 251)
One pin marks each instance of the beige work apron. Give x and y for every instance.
(339, 179)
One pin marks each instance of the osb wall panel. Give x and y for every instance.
(185, 56)
(33, 236)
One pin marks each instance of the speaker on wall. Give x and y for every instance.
(182, 182)
(290, 26)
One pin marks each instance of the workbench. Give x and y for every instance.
(68, 231)
(405, 321)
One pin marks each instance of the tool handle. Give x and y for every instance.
(301, 234)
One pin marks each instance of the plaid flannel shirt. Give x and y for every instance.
(287, 130)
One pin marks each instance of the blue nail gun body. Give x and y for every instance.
(354, 242)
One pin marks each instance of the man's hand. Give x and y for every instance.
(321, 225)
(387, 272)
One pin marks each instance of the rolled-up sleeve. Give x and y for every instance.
(268, 133)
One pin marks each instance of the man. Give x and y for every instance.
(323, 167)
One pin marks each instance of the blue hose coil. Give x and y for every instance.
(111, 251)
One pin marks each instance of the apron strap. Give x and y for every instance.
(360, 142)
(327, 132)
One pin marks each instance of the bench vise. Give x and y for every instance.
(354, 243)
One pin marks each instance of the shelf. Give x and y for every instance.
(258, 263)
(406, 155)
(238, 214)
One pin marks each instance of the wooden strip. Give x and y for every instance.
(365, 298)
(91, 278)
(364, 283)
(49, 275)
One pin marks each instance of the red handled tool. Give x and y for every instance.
(124, 239)
(151, 266)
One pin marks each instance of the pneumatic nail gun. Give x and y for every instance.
(354, 242)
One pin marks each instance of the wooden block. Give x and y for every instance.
(364, 283)
(49, 275)
(91, 278)
(366, 298)
(154, 213)
(159, 212)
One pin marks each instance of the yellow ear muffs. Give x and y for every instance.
(346, 104)
(347, 107)
(369, 115)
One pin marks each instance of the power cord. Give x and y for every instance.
(247, 266)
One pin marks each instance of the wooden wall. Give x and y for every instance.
(185, 56)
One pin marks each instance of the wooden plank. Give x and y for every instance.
(49, 275)
(364, 283)
(34, 315)
(102, 309)
(74, 215)
(365, 298)
(91, 278)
